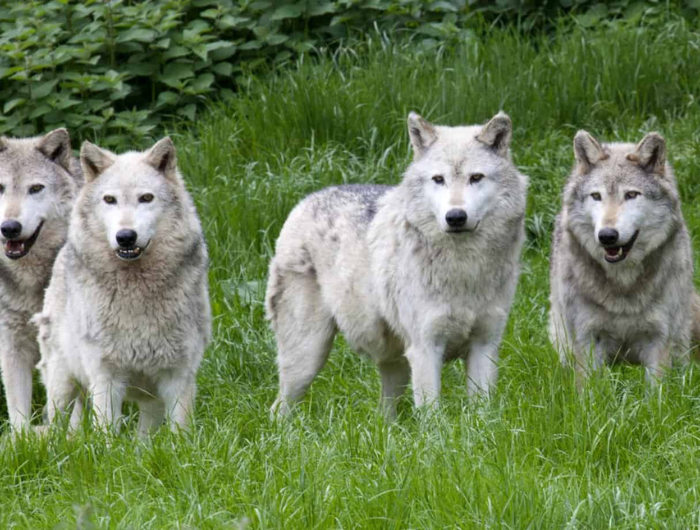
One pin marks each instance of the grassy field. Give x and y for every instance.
(538, 454)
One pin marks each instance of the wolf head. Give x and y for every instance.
(460, 175)
(38, 180)
(131, 202)
(621, 201)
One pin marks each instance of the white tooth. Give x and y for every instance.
(619, 251)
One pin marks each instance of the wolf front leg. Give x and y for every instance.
(482, 361)
(17, 366)
(426, 373)
(656, 357)
(178, 394)
(107, 399)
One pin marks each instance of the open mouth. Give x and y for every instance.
(15, 248)
(129, 254)
(616, 254)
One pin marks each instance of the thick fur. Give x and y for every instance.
(24, 163)
(116, 329)
(641, 309)
(378, 264)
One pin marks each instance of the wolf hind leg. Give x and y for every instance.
(151, 416)
(304, 329)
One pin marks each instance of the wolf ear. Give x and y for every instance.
(163, 157)
(56, 147)
(94, 160)
(497, 133)
(422, 133)
(587, 150)
(650, 154)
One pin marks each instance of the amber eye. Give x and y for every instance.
(36, 188)
(476, 177)
(148, 197)
(110, 199)
(439, 179)
(596, 196)
(632, 195)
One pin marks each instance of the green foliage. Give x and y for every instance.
(115, 70)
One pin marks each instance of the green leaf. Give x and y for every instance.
(138, 35)
(12, 104)
(41, 90)
(288, 11)
(188, 111)
(177, 72)
(223, 69)
(203, 82)
(167, 99)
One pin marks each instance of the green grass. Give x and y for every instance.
(539, 454)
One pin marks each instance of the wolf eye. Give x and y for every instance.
(596, 196)
(476, 177)
(109, 199)
(439, 179)
(632, 195)
(35, 189)
(148, 197)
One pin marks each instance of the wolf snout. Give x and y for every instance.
(608, 236)
(456, 218)
(11, 229)
(126, 238)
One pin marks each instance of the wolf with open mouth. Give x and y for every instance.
(39, 179)
(126, 314)
(621, 265)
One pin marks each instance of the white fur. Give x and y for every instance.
(115, 329)
(382, 266)
(46, 161)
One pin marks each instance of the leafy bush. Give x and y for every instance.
(115, 69)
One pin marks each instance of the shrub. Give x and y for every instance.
(113, 70)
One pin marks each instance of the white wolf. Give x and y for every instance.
(127, 311)
(414, 275)
(39, 179)
(622, 262)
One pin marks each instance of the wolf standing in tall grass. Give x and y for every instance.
(413, 275)
(127, 311)
(39, 179)
(622, 262)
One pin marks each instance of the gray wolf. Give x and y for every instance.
(39, 179)
(412, 275)
(621, 264)
(127, 313)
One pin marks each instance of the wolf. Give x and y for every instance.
(127, 314)
(39, 180)
(621, 267)
(413, 275)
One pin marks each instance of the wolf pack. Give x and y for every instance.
(104, 290)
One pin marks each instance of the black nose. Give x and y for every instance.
(608, 236)
(456, 217)
(11, 229)
(127, 238)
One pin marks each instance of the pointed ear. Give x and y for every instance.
(650, 154)
(497, 133)
(94, 160)
(163, 157)
(56, 147)
(422, 133)
(587, 150)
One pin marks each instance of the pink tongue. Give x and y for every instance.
(14, 246)
(612, 251)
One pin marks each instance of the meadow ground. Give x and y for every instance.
(538, 454)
